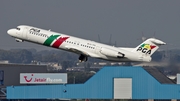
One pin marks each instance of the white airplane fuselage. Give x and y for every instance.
(85, 48)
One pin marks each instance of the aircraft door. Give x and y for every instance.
(24, 33)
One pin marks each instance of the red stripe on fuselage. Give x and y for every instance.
(59, 41)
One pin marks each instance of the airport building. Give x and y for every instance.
(120, 82)
(10, 75)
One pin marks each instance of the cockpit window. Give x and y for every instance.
(18, 28)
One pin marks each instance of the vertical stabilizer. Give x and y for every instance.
(148, 47)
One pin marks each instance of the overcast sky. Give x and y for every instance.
(124, 19)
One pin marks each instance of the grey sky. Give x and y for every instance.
(124, 19)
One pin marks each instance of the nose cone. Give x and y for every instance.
(11, 32)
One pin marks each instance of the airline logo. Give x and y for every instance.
(43, 78)
(37, 32)
(28, 80)
(146, 48)
(55, 40)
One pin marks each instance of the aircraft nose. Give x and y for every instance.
(11, 32)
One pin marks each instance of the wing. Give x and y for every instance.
(76, 50)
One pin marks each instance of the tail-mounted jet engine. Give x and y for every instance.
(111, 53)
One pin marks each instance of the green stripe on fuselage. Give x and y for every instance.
(50, 40)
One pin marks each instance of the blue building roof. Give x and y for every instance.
(100, 86)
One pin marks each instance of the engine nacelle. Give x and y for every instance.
(18, 40)
(111, 53)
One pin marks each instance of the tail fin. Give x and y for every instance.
(148, 47)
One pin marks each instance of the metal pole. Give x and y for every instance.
(74, 79)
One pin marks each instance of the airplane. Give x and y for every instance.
(86, 48)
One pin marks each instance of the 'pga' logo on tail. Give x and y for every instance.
(146, 48)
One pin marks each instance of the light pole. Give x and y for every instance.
(74, 79)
